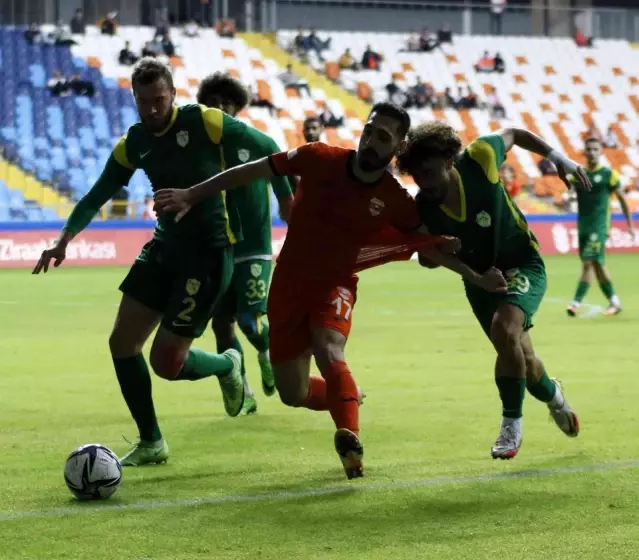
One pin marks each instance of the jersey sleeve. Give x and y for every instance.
(490, 153)
(116, 174)
(404, 215)
(615, 181)
(304, 160)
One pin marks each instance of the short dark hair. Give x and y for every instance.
(429, 139)
(394, 112)
(225, 86)
(312, 120)
(148, 69)
(592, 139)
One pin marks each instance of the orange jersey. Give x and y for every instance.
(335, 214)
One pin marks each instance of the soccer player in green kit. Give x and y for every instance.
(245, 300)
(461, 195)
(593, 222)
(178, 278)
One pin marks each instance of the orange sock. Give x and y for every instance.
(341, 394)
(316, 398)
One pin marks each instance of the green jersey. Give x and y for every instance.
(492, 230)
(594, 206)
(253, 202)
(192, 148)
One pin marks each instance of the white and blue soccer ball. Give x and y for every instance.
(93, 472)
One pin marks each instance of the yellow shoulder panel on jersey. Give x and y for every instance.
(615, 180)
(119, 154)
(213, 122)
(484, 154)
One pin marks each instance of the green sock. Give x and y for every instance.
(582, 290)
(257, 334)
(135, 384)
(544, 390)
(607, 289)
(200, 364)
(511, 391)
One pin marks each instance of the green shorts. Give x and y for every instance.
(248, 290)
(526, 289)
(184, 285)
(592, 245)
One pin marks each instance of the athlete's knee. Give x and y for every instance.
(506, 328)
(123, 346)
(167, 360)
(250, 323)
(291, 384)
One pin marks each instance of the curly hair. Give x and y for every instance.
(148, 69)
(429, 139)
(226, 87)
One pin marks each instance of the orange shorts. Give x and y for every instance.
(297, 307)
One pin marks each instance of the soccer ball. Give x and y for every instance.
(93, 472)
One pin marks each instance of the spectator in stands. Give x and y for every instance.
(497, 8)
(314, 43)
(80, 86)
(58, 85)
(33, 35)
(413, 44)
(61, 37)
(485, 64)
(395, 94)
(192, 29)
(127, 56)
(227, 28)
(168, 48)
(582, 40)
(445, 34)
(77, 24)
(312, 129)
(298, 45)
(416, 96)
(428, 41)
(370, 59)
(508, 179)
(500, 65)
(109, 25)
(447, 99)
(611, 140)
(346, 61)
(255, 100)
(468, 100)
(291, 80)
(593, 132)
(495, 105)
(150, 49)
(329, 120)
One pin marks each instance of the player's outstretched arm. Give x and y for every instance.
(532, 143)
(492, 280)
(113, 178)
(181, 200)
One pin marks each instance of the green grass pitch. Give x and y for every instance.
(270, 486)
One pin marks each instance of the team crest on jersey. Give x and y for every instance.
(291, 154)
(344, 293)
(376, 206)
(594, 237)
(192, 286)
(518, 283)
(243, 155)
(483, 219)
(182, 138)
(597, 178)
(256, 269)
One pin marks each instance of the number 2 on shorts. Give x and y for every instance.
(189, 306)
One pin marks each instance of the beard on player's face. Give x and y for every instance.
(155, 104)
(312, 132)
(369, 160)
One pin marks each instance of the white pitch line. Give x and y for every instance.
(318, 492)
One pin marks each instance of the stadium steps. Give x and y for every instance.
(34, 190)
(267, 44)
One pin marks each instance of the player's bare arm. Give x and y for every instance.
(532, 143)
(626, 211)
(180, 200)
